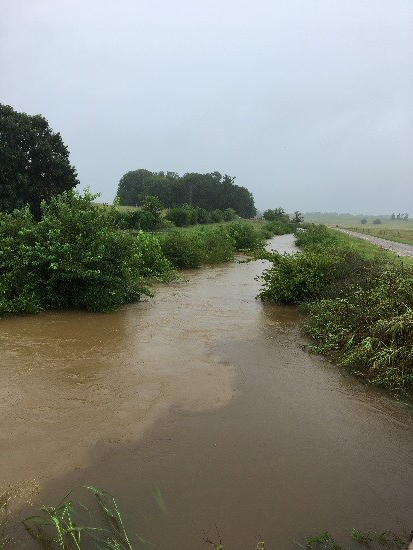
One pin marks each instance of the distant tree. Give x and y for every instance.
(377, 221)
(278, 214)
(392, 217)
(406, 217)
(34, 161)
(132, 186)
(363, 221)
(298, 218)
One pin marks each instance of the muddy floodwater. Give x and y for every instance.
(206, 393)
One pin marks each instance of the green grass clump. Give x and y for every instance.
(58, 526)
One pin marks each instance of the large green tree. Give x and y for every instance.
(34, 161)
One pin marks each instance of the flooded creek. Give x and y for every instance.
(206, 393)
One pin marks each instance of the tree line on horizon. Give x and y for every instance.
(210, 191)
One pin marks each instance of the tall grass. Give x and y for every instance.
(58, 527)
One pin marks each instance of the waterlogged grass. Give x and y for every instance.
(58, 526)
(73, 526)
(358, 300)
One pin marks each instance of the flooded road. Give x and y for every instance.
(206, 393)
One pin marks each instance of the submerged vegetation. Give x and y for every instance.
(359, 305)
(73, 525)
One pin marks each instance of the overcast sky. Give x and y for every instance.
(309, 103)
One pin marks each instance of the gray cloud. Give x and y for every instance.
(308, 102)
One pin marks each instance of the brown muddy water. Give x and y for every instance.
(206, 393)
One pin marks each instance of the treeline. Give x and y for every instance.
(400, 216)
(208, 191)
(150, 217)
(360, 308)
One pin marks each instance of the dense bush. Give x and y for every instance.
(197, 246)
(182, 216)
(313, 236)
(245, 236)
(72, 258)
(147, 218)
(229, 214)
(218, 245)
(184, 249)
(279, 227)
(203, 216)
(278, 214)
(294, 278)
(217, 216)
(360, 310)
(370, 330)
(152, 262)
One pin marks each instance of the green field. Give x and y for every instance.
(354, 221)
(404, 235)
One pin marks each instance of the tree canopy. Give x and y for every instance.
(34, 161)
(208, 191)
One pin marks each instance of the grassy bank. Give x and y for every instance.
(404, 236)
(351, 221)
(358, 300)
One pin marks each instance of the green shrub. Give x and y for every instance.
(245, 236)
(182, 216)
(229, 214)
(294, 278)
(18, 279)
(279, 227)
(152, 261)
(370, 330)
(218, 245)
(203, 216)
(184, 249)
(217, 216)
(147, 218)
(312, 236)
(72, 258)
